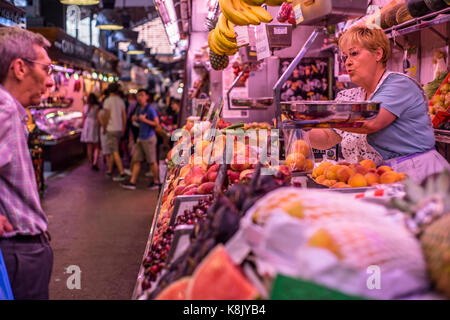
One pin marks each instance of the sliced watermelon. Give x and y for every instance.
(217, 278)
(175, 291)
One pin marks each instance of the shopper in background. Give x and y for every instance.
(402, 132)
(25, 76)
(106, 152)
(131, 130)
(114, 121)
(146, 143)
(90, 133)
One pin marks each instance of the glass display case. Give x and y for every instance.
(57, 124)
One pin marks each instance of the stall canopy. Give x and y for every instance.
(68, 50)
(10, 15)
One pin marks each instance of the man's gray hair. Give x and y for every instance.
(18, 43)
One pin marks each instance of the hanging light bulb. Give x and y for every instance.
(136, 48)
(80, 2)
(108, 19)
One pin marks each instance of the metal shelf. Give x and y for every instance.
(418, 24)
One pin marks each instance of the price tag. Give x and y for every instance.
(262, 42)
(242, 38)
(280, 30)
(298, 13)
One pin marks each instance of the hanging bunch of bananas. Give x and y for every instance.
(222, 39)
(245, 12)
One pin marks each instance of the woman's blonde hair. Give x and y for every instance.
(368, 38)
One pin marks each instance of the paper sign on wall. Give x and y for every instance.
(262, 42)
(298, 13)
(242, 38)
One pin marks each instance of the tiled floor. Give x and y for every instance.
(99, 227)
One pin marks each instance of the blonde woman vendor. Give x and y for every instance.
(402, 133)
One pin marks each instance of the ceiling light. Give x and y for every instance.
(125, 35)
(108, 19)
(136, 48)
(80, 2)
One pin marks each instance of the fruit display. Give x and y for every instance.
(286, 14)
(334, 242)
(222, 39)
(356, 175)
(162, 240)
(439, 103)
(229, 282)
(220, 224)
(431, 224)
(299, 156)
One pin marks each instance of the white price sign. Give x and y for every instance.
(242, 38)
(262, 42)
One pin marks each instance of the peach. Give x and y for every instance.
(401, 176)
(240, 166)
(329, 183)
(212, 176)
(389, 177)
(361, 169)
(309, 165)
(372, 178)
(206, 188)
(357, 181)
(296, 161)
(383, 169)
(331, 172)
(233, 175)
(185, 170)
(300, 146)
(246, 174)
(339, 185)
(320, 169)
(344, 173)
(191, 192)
(343, 163)
(179, 190)
(321, 179)
(369, 164)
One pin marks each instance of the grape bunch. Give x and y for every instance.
(156, 258)
(159, 251)
(196, 214)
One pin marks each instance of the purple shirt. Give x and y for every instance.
(19, 198)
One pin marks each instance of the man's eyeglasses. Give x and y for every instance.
(48, 67)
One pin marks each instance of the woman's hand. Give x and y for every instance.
(323, 139)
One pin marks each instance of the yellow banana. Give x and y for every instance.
(254, 2)
(223, 41)
(258, 11)
(226, 6)
(237, 5)
(219, 46)
(224, 27)
(212, 45)
(275, 3)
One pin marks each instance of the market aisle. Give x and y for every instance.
(100, 227)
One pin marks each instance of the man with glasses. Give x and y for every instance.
(25, 70)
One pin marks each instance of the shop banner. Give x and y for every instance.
(10, 15)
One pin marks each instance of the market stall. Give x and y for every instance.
(79, 70)
(251, 211)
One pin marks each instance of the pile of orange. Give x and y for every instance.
(357, 175)
(297, 159)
